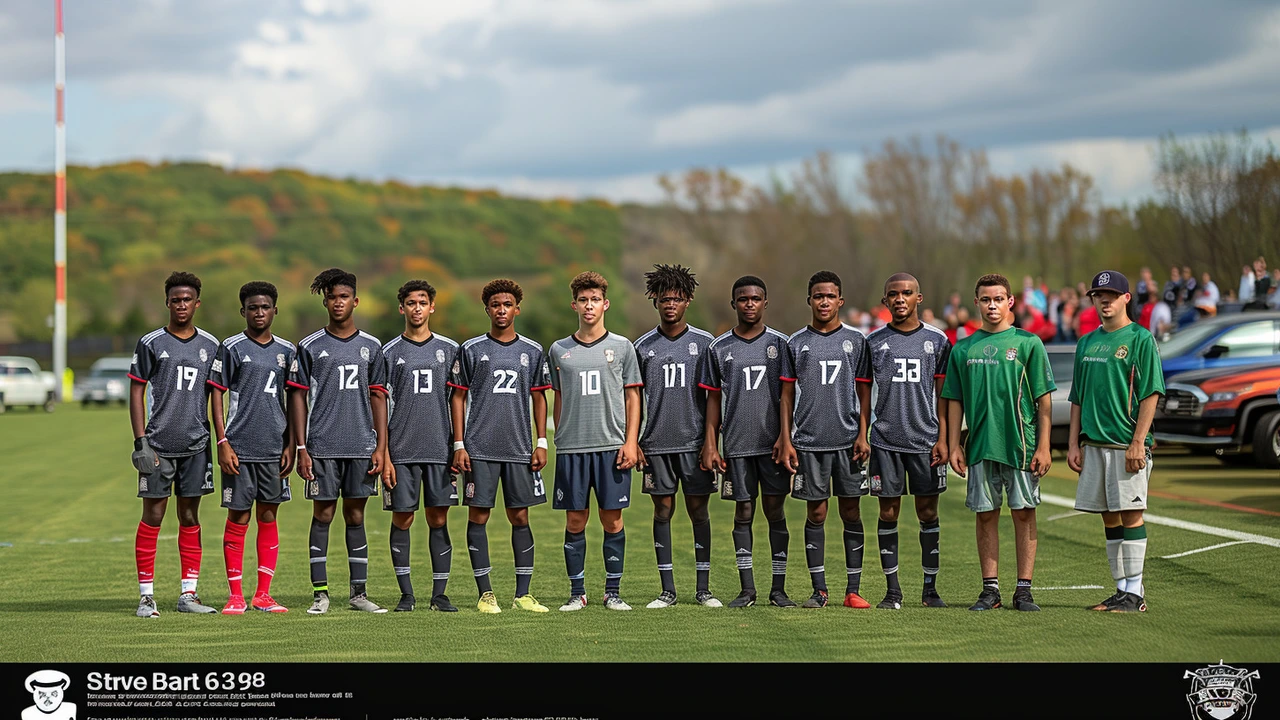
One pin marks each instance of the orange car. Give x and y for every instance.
(1233, 413)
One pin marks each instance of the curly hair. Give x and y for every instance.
(416, 286)
(665, 279)
(748, 281)
(178, 278)
(499, 286)
(329, 279)
(258, 287)
(825, 276)
(993, 280)
(588, 280)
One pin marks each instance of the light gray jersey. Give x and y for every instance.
(254, 377)
(338, 375)
(675, 409)
(748, 375)
(498, 378)
(904, 366)
(591, 381)
(828, 367)
(419, 428)
(175, 371)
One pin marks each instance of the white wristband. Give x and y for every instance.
(459, 445)
(301, 447)
(542, 443)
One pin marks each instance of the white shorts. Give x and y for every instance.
(1105, 486)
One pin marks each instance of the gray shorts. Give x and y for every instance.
(893, 473)
(669, 471)
(521, 486)
(749, 476)
(826, 472)
(439, 482)
(989, 480)
(1105, 486)
(345, 477)
(193, 475)
(257, 482)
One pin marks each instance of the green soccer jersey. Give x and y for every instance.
(998, 376)
(1115, 371)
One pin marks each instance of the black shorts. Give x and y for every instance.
(828, 472)
(437, 479)
(345, 477)
(521, 486)
(749, 476)
(257, 482)
(668, 471)
(577, 474)
(193, 475)
(893, 473)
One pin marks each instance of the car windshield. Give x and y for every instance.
(109, 373)
(1063, 366)
(1184, 341)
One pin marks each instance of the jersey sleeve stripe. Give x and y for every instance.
(379, 388)
(216, 385)
(939, 375)
(784, 378)
(207, 335)
(631, 385)
(300, 386)
(865, 380)
(146, 339)
(534, 389)
(135, 378)
(457, 386)
(705, 386)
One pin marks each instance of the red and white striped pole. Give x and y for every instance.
(60, 210)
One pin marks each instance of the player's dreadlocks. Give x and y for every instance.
(331, 278)
(665, 279)
(258, 287)
(177, 278)
(502, 285)
(416, 286)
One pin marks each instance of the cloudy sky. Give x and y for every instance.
(596, 97)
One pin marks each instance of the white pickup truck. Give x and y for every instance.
(23, 383)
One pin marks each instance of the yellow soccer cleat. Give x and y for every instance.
(488, 604)
(528, 602)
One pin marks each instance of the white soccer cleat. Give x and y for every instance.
(575, 602)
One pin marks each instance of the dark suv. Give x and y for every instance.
(1233, 413)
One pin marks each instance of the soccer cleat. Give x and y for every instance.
(189, 602)
(488, 603)
(817, 600)
(319, 603)
(613, 602)
(706, 599)
(855, 601)
(362, 603)
(235, 605)
(268, 604)
(892, 601)
(1130, 603)
(778, 598)
(575, 602)
(407, 603)
(746, 598)
(930, 598)
(147, 607)
(989, 599)
(530, 603)
(665, 600)
(1022, 601)
(440, 603)
(1109, 602)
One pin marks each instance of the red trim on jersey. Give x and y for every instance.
(865, 380)
(216, 385)
(634, 385)
(787, 379)
(460, 387)
(291, 383)
(378, 388)
(135, 378)
(708, 387)
(532, 389)
(940, 375)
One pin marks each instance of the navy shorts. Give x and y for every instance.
(749, 476)
(341, 477)
(184, 476)
(435, 481)
(577, 474)
(668, 471)
(257, 482)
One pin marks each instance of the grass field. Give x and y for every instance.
(70, 511)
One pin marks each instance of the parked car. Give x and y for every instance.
(1222, 341)
(22, 382)
(1062, 362)
(108, 382)
(1233, 413)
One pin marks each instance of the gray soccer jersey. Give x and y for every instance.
(254, 377)
(175, 371)
(498, 378)
(904, 366)
(338, 374)
(675, 407)
(418, 385)
(591, 381)
(748, 374)
(828, 366)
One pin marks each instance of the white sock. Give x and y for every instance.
(188, 586)
(1113, 559)
(1134, 585)
(146, 589)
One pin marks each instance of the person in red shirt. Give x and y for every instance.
(1089, 320)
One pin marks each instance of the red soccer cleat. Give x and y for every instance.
(235, 606)
(266, 604)
(854, 600)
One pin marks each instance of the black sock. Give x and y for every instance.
(742, 552)
(478, 549)
(441, 558)
(888, 536)
(814, 552)
(575, 560)
(400, 559)
(779, 538)
(929, 553)
(702, 553)
(662, 547)
(522, 544)
(853, 546)
(357, 558)
(992, 583)
(319, 542)
(615, 551)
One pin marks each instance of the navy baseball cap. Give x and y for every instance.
(1109, 280)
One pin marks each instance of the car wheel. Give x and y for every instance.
(50, 403)
(86, 403)
(1266, 441)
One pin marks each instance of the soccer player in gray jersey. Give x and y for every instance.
(670, 356)
(417, 466)
(828, 446)
(494, 378)
(255, 448)
(339, 410)
(908, 439)
(746, 368)
(597, 409)
(168, 409)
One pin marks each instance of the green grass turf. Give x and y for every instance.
(67, 565)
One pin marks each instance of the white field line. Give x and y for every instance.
(1180, 524)
(1071, 587)
(1064, 515)
(1203, 549)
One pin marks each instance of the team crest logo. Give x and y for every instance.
(386, 501)
(648, 481)
(364, 353)
(142, 483)
(208, 477)
(216, 367)
(989, 351)
(726, 489)
(457, 367)
(204, 356)
(797, 483)
(439, 356)
(876, 484)
(928, 346)
(471, 489)
(226, 495)
(1104, 279)
(1221, 692)
(608, 355)
(314, 487)
(524, 359)
(279, 359)
(1122, 352)
(771, 352)
(693, 348)
(847, 346)
(1011, 354)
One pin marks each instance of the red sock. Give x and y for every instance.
(233, 554)
(189, 555)
(268, 552)
(144, 549)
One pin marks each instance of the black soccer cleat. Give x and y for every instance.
(989, 599)
(930, 598)
(1109, 602)
(817, 600)
(892, 601)
(778, 598)
(746, 598)
(1130, 603)
(440, 603)
(406, 604)
(1022, 601)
